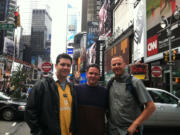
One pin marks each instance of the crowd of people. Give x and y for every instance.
(59, 107)
(10, 89)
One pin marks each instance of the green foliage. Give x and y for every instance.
(18, 80)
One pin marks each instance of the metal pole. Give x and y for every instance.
(170, 59)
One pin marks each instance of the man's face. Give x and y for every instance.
(92, 76)
(63, 68)
(118, 66)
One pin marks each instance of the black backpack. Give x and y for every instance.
(129, 87)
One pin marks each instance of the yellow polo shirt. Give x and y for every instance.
(65, 99)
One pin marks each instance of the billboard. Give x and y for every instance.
(15, 66)
(33, 60)
(100, 48)
(139, 29)
(105, 20)
(83, 42)
(139, 71)
(91, 54)
(121, 48)
(120, 11)
(92, 33)
(1, 71)
(72, 14)
(8, 67)
(8, 47)
(155, 10)
(83, 78)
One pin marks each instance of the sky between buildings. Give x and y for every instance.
(58, 12)
(59, 25)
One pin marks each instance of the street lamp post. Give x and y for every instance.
(170, 58)
(167, 25)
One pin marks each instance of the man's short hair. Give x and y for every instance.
(120, 56)
(93, 65)
(63, 55)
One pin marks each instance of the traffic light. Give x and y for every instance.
(17, 19)
(177, 80)
(166, 56)
(174, 52)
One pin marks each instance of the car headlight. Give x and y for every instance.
(21, 108)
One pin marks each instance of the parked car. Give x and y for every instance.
(167, 111)
(11, 108)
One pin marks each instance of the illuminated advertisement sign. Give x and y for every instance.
(152, 45)
(139, 29)
(92, 34)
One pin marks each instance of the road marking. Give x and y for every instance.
(7, 133)
(15, 127)
(14, 124)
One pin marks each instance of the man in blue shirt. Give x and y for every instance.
(92, 104)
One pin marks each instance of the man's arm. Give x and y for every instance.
(33, 109)
(148, 110)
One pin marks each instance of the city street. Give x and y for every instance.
(21, 128)
(55, 56)
(14, 128)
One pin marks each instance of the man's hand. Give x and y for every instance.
(132, 129)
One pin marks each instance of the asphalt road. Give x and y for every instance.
(14, 128)
(162, 131)
(21, 128)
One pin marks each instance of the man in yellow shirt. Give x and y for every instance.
(52, 105)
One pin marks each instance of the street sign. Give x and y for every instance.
(69, 50)
(156, 71)
(46, 67)
(6, 26)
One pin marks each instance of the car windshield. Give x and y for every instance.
(3, 96)
(162, 97)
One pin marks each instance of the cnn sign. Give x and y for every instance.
(152, 45)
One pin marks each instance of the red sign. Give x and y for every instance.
(156, 71)
(152, 45)
(46, 67)
(139, 69)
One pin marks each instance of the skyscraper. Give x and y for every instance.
(40, 36)
(26, 7)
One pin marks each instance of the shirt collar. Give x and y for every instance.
(122, 77)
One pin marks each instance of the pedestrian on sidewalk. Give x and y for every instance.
(92, 104)
(127, 98)
(29, 90)
(52, 105)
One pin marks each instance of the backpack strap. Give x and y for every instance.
(110, 83)
(130, 87)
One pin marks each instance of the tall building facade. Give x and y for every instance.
(26, 7)
(90, 10)
(40, 36)
(30, 22)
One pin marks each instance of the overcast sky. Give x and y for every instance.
(59, 25)
(59, 19)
